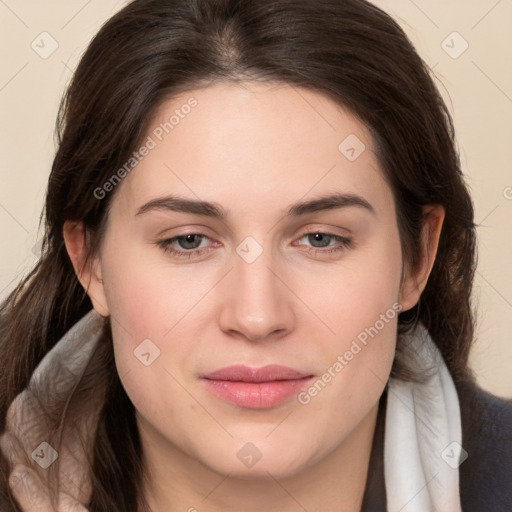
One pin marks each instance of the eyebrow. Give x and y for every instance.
(214, 210)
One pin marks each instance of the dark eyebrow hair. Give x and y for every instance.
(209, 209)
(329, 202)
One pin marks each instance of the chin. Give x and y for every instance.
(265, 463)
(262, 472)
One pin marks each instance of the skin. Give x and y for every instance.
(253, 149)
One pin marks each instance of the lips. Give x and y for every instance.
(256, 388)
(268, 373)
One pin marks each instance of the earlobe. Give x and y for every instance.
(88, 271)
(416, 279)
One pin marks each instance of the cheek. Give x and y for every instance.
(141, 292)
(359, 304)
(352, 295)
(148, 305)
(355, 361)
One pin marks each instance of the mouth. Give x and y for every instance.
(256, 388)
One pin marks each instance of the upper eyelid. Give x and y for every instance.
(200, 230)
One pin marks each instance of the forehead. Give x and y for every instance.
(263, 140)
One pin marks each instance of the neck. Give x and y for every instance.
(179, 482)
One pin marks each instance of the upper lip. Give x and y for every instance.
(241, 373)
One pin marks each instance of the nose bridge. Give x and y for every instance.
(256, 284)
(256, 305)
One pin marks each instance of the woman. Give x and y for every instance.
(254, 292)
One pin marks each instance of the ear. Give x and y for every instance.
(416, 278)
(88, 272)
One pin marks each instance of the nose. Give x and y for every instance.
(256, 303)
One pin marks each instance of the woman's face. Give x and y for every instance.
(252, 285)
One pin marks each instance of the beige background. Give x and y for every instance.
(476, 83)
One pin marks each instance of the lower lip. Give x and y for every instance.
(256, 395)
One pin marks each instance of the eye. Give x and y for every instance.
(190, 244)
(321, 240)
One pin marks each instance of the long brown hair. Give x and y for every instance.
(152, 50)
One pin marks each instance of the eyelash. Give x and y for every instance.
(166, 245)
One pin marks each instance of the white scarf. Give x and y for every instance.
(423, 435)
(422, 438)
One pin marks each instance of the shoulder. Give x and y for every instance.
(486, 474)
